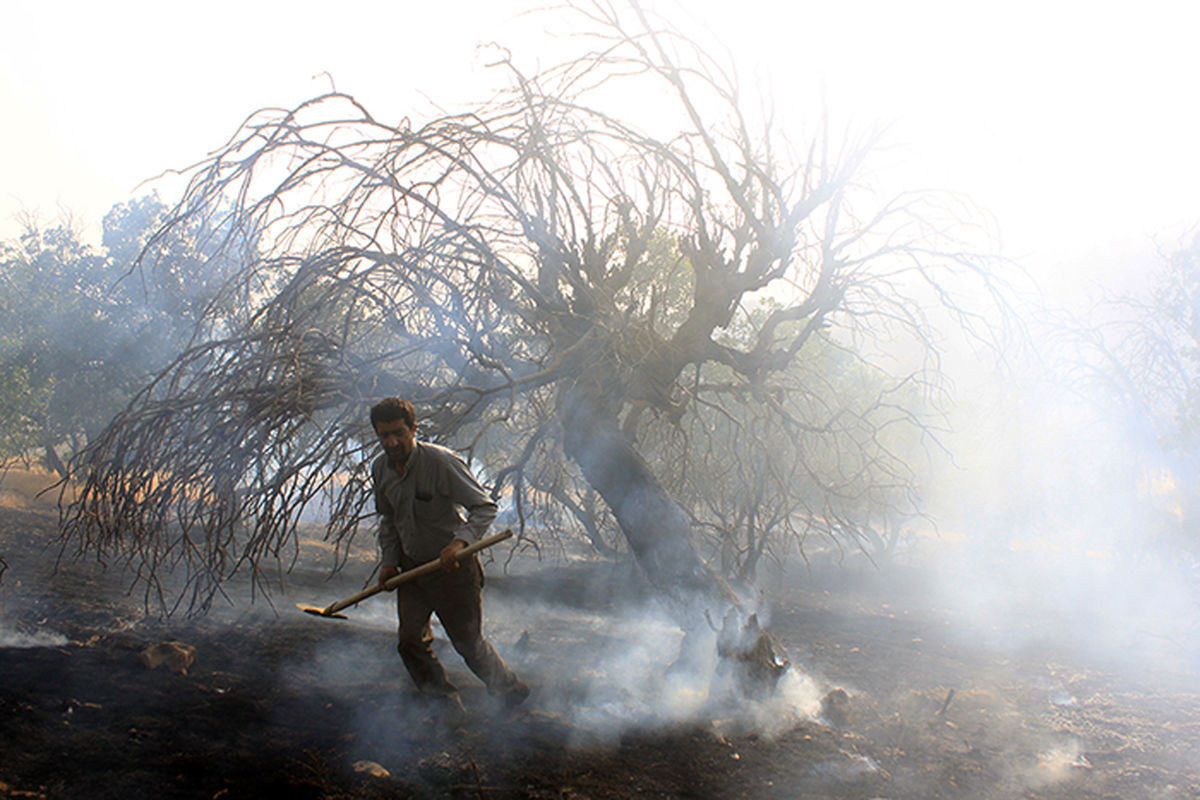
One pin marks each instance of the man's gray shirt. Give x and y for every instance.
(422, 510)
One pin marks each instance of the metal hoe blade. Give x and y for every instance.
(320, 612)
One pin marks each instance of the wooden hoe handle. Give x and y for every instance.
(416, 572)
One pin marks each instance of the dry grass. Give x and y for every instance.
(22, 487)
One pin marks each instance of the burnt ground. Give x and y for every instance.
(282, 703)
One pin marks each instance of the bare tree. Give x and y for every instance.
(1136, 358)
(587, 307)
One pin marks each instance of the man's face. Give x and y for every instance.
(398, 440)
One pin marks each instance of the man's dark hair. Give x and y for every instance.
(391, 409)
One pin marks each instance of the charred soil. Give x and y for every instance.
(280, 702)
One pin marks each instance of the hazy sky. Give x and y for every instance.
(1074, 123)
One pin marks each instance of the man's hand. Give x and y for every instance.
(386, 574)
(449, 562)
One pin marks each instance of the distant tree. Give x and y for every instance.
(60, 336)
(850, 464)
(593, 310)
(81, 331)
(1137, 356)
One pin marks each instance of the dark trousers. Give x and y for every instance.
(456, 599)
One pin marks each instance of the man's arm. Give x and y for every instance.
(389, 549)
(387, 535)
(466, 492)
(481, 510)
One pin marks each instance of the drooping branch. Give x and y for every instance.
(563, 291)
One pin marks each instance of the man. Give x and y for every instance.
(421, 492)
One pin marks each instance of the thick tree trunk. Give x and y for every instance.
(657, 530)
(52, 461)
(654, 525)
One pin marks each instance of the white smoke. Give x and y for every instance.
(615, 671)
(597, 674)
(10, 638)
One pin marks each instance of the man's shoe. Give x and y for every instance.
(450, 709)
(515, 696)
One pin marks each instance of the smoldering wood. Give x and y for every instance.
(750, 652)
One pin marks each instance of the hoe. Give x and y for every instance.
(403, 577)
